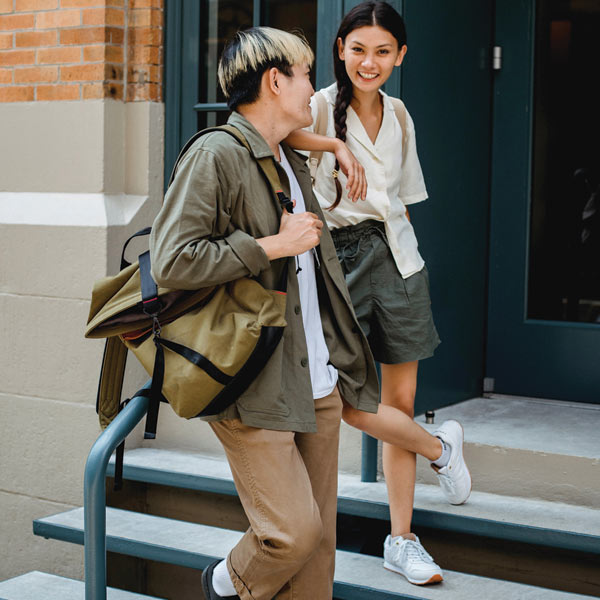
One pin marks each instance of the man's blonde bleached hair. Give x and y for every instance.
(251, 52)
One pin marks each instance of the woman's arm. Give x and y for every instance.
(350, 167)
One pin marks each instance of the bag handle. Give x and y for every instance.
(145, 231)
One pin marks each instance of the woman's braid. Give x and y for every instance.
(340, 114)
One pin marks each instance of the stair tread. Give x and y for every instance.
(194, 545)
(533, 424)
(190, 469)
(36, 585)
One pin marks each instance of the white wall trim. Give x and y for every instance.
(68, 209)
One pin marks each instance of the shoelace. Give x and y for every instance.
(415, 550)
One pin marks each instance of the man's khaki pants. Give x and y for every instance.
(287, 483)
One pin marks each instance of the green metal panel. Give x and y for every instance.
(182, 44)
(329, 15)
(446, 85)
(526, 357)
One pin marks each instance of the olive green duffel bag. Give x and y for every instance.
(203, 348)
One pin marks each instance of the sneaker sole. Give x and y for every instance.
(462, 429)
(436, 578)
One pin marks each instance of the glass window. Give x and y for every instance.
(219, 21)
(564, 260)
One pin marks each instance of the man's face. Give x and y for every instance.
(296, 92)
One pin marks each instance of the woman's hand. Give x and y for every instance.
(353, 170)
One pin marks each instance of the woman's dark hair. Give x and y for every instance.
(366, 14)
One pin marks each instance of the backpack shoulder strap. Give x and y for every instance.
(266, 163)
(400, 111)
(320, 128)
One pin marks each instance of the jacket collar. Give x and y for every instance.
(258, 144)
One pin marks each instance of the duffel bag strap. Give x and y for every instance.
(110, 384)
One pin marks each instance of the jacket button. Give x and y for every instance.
(297, 309)
(304, 362)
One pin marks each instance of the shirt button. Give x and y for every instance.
(297, 309)
(304, 362)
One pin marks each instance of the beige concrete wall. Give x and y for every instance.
(77, 179)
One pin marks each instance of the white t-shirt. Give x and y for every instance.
(323, 376)
(394, 180)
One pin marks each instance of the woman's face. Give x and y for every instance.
(370, 54)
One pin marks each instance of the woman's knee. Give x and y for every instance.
(352, 416)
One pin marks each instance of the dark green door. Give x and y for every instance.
(544, 292)
(447, 87)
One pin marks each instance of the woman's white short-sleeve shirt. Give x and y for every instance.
(394, 179)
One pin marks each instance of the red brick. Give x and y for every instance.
(30, 39)
(114, 35)
(6, 75)
(88, 35)
(152, 92)
(17, 57)
(103, 90)
(104, 16)
(36, 74)
(145, 17)
(93, 53)
(145, 4)
(113, 72)
(35, 5)
(103, 52)
(6, 6)
(58, 92)
(6, 40)
(114, 54)
(81, 3)
(14, 93)
(144, 55)
(91, 91)
(13, 22)
(53, 56)
(58, 18)
(145, 36)
(94, 72)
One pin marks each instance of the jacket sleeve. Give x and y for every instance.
(192, 244)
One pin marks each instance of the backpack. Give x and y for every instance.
(322, 122)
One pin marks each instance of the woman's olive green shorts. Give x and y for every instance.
(394, 313)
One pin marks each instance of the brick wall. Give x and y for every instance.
(81, 49)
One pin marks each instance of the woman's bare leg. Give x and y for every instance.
(402, 437)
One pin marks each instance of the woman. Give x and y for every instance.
(385, 273)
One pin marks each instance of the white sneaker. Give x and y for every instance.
(454, 478)
(410, 559)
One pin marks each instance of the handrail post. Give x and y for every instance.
(369, 448)
(94, 494)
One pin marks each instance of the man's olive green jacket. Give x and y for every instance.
(205, 234)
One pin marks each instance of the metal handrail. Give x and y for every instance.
(94, 489)
(94, 494)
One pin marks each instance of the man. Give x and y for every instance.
(220, 222)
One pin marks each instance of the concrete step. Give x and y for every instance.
(538, 522)
(357, 576)
(42, 586)
(528, 447)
